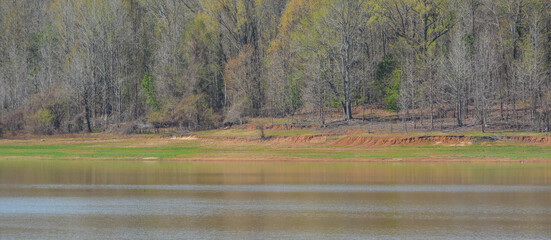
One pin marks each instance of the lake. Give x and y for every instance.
(248, 200)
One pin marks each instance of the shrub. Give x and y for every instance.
(58, 110)
(192, 112)
(42, 122)
(76, 124)
(14, 121)
(47, 112)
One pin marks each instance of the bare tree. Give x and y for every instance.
(533, 69)
(456, 69)
(485, 75)
(342, 24)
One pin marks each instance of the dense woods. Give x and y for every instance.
(87, 65)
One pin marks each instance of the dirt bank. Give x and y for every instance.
(435, 140)
(377, 141)
(315, 139)
(391, 141)
(528, 139)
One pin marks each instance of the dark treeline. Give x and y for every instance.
(85, 65)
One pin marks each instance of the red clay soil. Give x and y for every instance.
(387, 141)
(299, 139)
(254, 126)
(390, 141)
(528, 139)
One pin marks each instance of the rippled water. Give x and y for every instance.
(159, 200)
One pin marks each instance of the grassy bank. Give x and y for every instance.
(155, 148)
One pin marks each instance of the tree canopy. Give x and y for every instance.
(73, 65)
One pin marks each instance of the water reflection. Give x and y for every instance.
(136, 200)
(246, 173)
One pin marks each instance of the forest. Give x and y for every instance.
(93, 65)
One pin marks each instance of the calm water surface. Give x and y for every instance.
(167, 200)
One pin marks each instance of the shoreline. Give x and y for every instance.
(282, 160)
(284, 149)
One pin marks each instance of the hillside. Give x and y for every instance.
(73, 66)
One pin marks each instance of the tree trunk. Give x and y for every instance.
(431, 103)
(458, 105)
(87, 112)
(483, 117)
(346, 80)
(548, 120)
(348, 110)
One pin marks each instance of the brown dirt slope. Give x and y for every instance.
(376, 141)
(299, 139)
(390, 141)
(528, 139)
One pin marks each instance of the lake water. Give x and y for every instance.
(223, 200)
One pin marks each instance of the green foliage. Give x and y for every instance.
(203, 57)
(46, 112)
(468, 39)
(188, 61)
(293, 101)
(42, 122)
(197, 32)
(44, 117)
(158, 116)
(385, 69)
(387, 82)
(392, 91)
(149, 90)
(335, 104)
